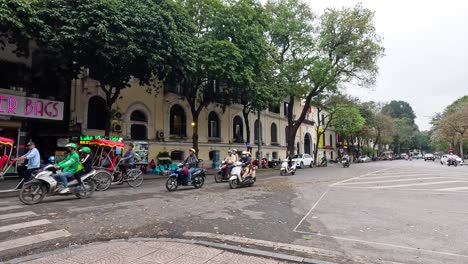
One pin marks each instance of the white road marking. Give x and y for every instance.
(10, 207)
(15, 215)
(452, 189)
(412, 184)
(386, 244)
(357, 177)
(311, 209)
(400, 180)
(394, 176)
(24, 225)
(29, 240)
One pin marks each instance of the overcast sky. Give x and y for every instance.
(426, 44)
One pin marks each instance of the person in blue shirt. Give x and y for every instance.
(34, 161)
(128, 160)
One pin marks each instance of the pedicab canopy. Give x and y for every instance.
(6, 141)
(106, 143)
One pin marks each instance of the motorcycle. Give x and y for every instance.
(452, 162)
(222, 173)
(345, 163)
(178, 177)
(43, 183)
(236, 179)
(285, 169)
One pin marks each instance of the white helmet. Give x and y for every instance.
(245, 153)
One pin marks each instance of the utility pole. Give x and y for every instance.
(259, 129)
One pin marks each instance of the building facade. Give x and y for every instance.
(164, 122)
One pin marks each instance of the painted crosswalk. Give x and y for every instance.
(20, 227)
(410, 179)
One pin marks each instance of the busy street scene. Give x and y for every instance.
(242, 131)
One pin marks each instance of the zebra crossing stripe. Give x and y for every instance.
(15, 215)
(30, 240)
(412, 184)
(399, 180)
(454, 189)
(24, 225)
(6, 208)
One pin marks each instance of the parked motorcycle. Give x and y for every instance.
(43, 183)
(285, 169)
(222, 173)
(236, 179)
(345, 163)
(178, 177)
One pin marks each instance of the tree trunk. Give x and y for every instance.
(107, 127)
(246, 113)
(461, 150)
(195, 115)
(317, 145)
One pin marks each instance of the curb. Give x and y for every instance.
(226, 247)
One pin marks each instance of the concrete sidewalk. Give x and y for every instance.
(144, 252)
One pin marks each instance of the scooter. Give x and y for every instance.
(236, 179)
(222, 173)
(285, 169)
(452, 162)
(178, 177)
(345, 163)
(43, 183)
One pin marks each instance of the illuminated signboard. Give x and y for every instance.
(84, 140)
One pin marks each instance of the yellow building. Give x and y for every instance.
(165, 122)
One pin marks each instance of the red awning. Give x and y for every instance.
(106, 143)
(6, 141)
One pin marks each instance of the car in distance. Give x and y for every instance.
(429, 156)
(363, 159)
(303, 160)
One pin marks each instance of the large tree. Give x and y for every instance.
(399, 109)
(315, 55)
(116, 41)
(18, 22)
(384, 129)
(348, 122)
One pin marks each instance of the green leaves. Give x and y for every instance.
(347, 120)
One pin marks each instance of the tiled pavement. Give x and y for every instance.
(146, 252)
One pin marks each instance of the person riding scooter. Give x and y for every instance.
(87, 162)
(230, 160)
(246, 162)
(69, 166)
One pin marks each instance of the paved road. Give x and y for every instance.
(381, 212)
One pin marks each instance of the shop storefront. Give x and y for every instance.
(22, 117)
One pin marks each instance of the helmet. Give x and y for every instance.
(192, 150)
(234, 150)
(51, 159)
(85, 150)
(245, 153)
(71, 145)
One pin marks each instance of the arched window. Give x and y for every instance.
(178, 121)
(274, 134)
(331, 140)
(138, 125)
(256, 131)
(213, 125)
(97, 113)
(238, 129)
(307, 143)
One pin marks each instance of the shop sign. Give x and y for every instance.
(30, 107)
(84, 140)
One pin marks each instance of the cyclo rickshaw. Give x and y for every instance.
(107, 161)
(7, 149)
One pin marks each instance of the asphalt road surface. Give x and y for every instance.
(380, 212)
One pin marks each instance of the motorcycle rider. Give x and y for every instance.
(345, 157)
(34, 162)
(246, 162)
(191, 163)
(230, 160)
(69, 166)
(87, 162)
(451, 158)
(128, 160)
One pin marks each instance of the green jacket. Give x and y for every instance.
(70, 163)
